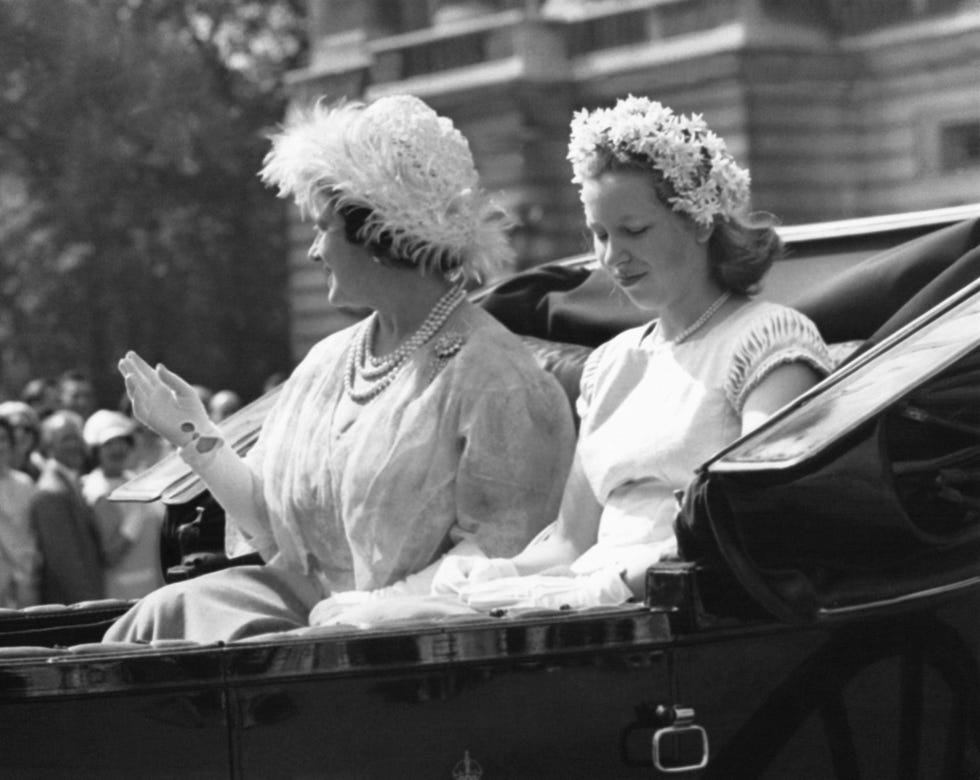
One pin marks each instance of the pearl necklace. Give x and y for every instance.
(701, 321)
(378, 373)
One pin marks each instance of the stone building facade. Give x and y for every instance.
(840, 108)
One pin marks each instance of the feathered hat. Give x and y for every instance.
(411, 168)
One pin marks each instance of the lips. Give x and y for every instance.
(627, 280)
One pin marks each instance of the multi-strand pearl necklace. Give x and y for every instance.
(377, 373)
(701, 321)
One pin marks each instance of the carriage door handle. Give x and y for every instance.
(681, 745)
(677, 743)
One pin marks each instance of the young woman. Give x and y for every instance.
(666, 205)
(424, 430)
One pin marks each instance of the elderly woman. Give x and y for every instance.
(424, 430)
(666, 205)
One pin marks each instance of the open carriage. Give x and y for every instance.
(826, 622)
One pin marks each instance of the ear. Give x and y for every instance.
(703, 232)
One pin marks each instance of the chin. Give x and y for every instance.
(641, 301)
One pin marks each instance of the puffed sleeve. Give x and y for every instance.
(590, 374)
(517, 447)
(781, 336)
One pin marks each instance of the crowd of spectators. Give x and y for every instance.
(62, 540)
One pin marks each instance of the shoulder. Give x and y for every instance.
(607, 353)
(326, 351)
(764, 336)
(761, 325)
(488, 354)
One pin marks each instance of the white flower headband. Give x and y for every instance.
(411, 168)
(695, 161)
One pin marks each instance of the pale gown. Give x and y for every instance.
(653, 411)
(471, 446)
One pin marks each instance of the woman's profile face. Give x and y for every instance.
(652, 252)
(348, 266)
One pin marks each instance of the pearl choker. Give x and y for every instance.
(701, 321)
(377, 373)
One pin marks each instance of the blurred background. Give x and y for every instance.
(131, 132)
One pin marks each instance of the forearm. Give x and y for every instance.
(234, 486)
(574, 531)
(554, 550)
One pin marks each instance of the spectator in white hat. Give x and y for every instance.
(129, 532)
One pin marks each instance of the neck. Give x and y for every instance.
(412, 300)
(679, 316)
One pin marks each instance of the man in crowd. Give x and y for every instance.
(76, 393)
(63, 521)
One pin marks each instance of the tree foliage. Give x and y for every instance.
(131, 216)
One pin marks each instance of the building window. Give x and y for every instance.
(959, 145)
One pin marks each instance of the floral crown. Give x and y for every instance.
(411, 168)
(705, 177)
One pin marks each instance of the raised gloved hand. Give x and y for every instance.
(604, 587)
(458, 571)
(167, 404)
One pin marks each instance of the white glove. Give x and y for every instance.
(604, 587)
(167, 404)
(324, 613)
(378, 611)
(327, 612)
(457, 571)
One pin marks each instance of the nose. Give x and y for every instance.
(315, 251)
(613, 254)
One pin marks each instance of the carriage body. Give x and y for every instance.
(729, 669)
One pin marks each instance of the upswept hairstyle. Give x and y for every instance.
(400, 175)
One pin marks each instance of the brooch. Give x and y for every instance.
(447, 345)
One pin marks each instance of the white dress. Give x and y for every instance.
(653, 411)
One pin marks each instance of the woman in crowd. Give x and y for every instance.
(129, 532)
(666, 206)
(19, 555)
(423, 430)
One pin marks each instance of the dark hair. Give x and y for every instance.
(356, 217)
(741, 250)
